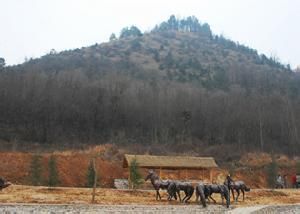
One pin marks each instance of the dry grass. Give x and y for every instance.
(60, 195)
(262, 159)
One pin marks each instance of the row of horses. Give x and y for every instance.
(202, 191)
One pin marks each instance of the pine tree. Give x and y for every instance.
(53, 179)
(272, 172)
(35, 171)
(90, 174)
(135, 175)
(112, 37)
(2, 63)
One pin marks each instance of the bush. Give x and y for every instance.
(53, 179)
(35, 171)
(90, 175)
(135, 175)
(272, 172)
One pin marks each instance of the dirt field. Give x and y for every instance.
(62, 195)
(28, 199)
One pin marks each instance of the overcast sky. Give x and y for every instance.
(31, 28)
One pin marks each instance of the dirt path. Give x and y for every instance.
(135, 209)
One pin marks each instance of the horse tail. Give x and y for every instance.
(197, 194)
(172, 190)
(247, 189)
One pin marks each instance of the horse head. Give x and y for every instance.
(150, 174)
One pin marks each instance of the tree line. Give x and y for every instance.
(70, 108)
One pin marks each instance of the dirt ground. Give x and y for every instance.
(65, 195)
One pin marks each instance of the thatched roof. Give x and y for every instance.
(170, 162)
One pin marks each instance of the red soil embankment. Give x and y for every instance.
(72, 166)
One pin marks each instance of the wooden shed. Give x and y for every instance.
(175, 167)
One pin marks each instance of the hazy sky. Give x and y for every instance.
(31, 28)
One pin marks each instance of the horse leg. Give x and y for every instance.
(212, 199)
(183, 200)
(227, 198)
(197, 196)
(188, 198)
(158, 195)
(243, 191)
(169, 197)
(232, 191)
(178, 193)
(222, 197)
(175, 196)
(188, 194)
(238, 194)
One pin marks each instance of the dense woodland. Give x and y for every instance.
(178, 83)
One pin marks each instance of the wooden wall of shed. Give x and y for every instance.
(192, 175)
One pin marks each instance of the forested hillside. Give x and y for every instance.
(177, 84)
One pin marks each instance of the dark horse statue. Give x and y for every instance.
(237, 186)
(204, 191)
(209, 189)
(176, 187)
(158, 184)
(3, 183)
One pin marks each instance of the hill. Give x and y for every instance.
(179, 85)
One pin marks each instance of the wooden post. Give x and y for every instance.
(160, 173)
(95, 180)
(185, 174)
(129, 179)
(210, 175)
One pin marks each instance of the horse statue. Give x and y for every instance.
(4, 183)
(177, 186)
(205, 191)
(209, 189)
(158, 184)
(237, 186)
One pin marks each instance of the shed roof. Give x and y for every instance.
(171, 162)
